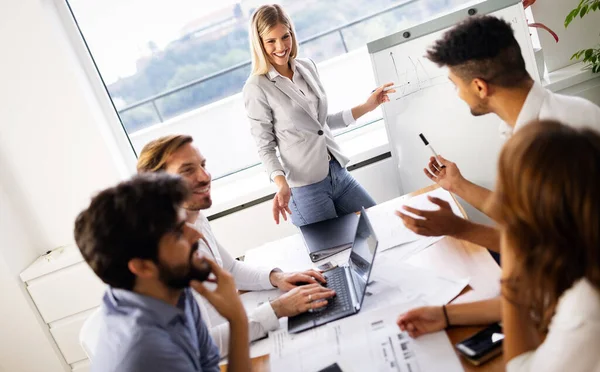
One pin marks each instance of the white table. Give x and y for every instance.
(449, 257)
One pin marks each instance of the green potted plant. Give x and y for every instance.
(591, 57)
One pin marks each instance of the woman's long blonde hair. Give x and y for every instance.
(265, 18)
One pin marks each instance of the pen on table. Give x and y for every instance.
(437, 158)
(388, 88)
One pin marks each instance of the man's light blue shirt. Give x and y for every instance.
(142, 333)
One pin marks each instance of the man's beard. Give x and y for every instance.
(198, 206)
(180, 276)
(195, 206)
(477, 113)
(479, 110)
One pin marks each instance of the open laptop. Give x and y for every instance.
(348, 281)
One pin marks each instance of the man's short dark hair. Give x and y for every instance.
(127, 221)
(481, 47)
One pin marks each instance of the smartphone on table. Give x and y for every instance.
(482, 346)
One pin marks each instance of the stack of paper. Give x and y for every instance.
(390, 229)
(371, 342)
(394, 282)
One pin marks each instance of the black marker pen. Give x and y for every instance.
(432, 150)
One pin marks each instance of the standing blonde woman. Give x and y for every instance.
(287, 108)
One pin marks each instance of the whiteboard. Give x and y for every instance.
(427, 101)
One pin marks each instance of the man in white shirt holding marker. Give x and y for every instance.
(176, 154)
(487, 68)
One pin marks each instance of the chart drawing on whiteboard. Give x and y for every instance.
(426, 101)
(411, 75)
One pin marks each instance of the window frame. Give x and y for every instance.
(124, 147)
(78, 45)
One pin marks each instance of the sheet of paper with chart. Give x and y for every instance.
(368, 342)
(395, 282)
(390, 229)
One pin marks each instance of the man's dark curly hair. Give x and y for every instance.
(127, 221)
(481, 47)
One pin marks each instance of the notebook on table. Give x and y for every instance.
(326, 238)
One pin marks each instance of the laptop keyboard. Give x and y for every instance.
(342, 302)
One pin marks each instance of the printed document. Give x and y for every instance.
(365, 342)
(390, 229)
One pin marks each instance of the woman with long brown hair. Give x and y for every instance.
(547, 203)
(547, 200)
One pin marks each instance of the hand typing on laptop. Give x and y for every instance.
(303, 292)
(348, 282)
(302, 299)
(289, 281)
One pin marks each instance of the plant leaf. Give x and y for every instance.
(570, 16)
(583, 11)
(573, 56)
(588, 53)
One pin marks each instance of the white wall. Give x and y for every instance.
(581, 33)
(51, 140)
(55, 152)
(21, 328)
(589, 89)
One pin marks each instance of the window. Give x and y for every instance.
(178, 66)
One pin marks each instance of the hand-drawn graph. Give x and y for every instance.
(411, 75)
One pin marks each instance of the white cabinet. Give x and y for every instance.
(65, 291)
(66, 335)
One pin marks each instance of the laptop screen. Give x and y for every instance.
(362, 255)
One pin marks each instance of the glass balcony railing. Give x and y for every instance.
(320, 47)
